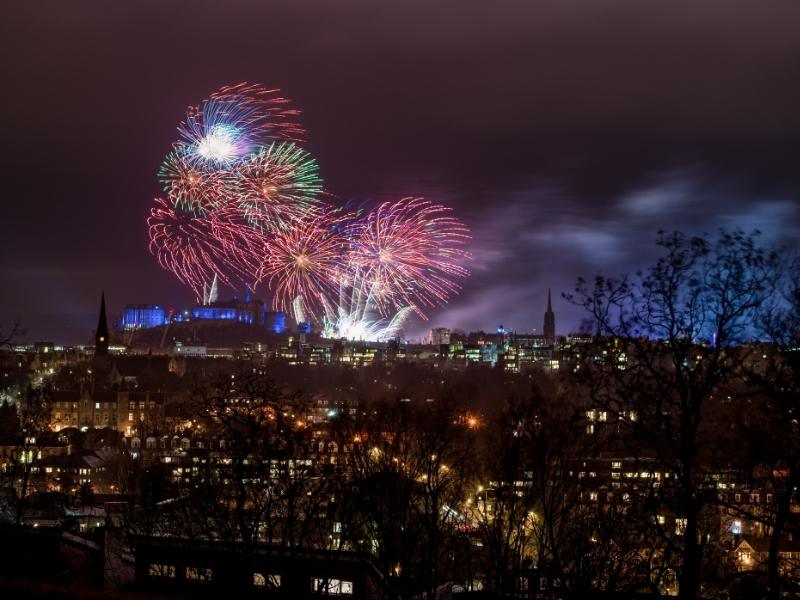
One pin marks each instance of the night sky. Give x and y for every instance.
(564, 133)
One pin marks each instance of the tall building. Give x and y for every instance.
(549, 321)
(101, 335)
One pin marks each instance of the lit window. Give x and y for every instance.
(198, 574)
(157, 570)
(736, 527)
(680, 526)
(97, 405)
(272, 581)
(332, 586)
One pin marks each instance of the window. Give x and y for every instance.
(744, 555)
(159, 570)
(97, 405)
(616, 464)
(680, 526)
(332, 586)
(130, 416)
(269, 581)
(198, 574)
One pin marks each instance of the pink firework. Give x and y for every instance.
(409, 253)
(196, 249)
(305, 262)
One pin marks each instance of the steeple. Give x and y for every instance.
(101, 335)
(549, 320)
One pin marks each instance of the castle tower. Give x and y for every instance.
(101, 335)
(549, 320)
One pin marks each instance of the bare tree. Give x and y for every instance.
(672, 339)
(8, 336)
(409, 468)
(771, 383)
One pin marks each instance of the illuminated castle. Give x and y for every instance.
(247, 311)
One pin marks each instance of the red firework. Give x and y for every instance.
(408, 253)
(305, 262)
(196, 249)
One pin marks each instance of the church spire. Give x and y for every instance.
(549, 320)
(101, 335)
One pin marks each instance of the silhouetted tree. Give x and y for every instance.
(677, 329)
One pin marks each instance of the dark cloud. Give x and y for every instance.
(566, 133)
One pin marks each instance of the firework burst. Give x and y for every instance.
(408, 253)
(243, 205)
(234, 122)
(191, 187)
(276, 186)
(305, 261)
